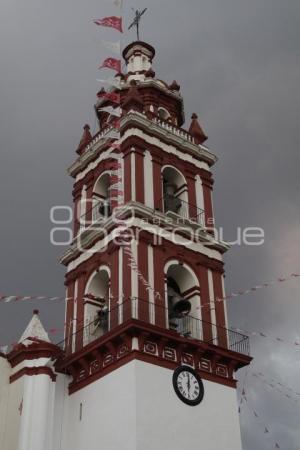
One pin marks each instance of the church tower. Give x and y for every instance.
(148, 357)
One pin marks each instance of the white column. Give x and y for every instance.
(134, 276)
(151, 283)
(37, 409)
(120, 292)
(26, 413)
(133, 180)
(212, 304)
(148, 179)
(199, 193)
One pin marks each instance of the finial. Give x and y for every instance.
(174, 86)
(196, 130)
(85, 139)
(136, 21)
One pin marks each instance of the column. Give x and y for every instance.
(69, 315)
(157, 180)
(80, 311)
(142, 291)
(220, 309)
(139, 176)
(205, 304)
(159, 286)
(191, 185)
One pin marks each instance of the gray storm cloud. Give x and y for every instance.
(239, 68)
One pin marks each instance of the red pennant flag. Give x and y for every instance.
(111, 22)
(112, 96)
(111, 63)
(53, 330)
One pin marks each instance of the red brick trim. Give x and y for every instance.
(33, 371)
(38, 349)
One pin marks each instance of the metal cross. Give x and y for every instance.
(136, 21)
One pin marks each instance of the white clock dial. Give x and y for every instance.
(188, 385)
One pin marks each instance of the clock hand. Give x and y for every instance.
(189, 383)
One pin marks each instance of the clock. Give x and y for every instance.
(188, 385)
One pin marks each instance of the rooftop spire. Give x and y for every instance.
(34, 329)
(85, 138)
(196, 130)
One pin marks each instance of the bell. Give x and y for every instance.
(179, 306)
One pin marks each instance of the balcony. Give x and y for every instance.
(183, 209)
(187, 327)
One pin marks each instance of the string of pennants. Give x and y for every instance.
(277, 386)
(244, 400)
(6, 298)
(266, 428)
(263, 335)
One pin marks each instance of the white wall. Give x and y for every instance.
(10, 400)
(108, 414)
(166, 423)
(136, 408)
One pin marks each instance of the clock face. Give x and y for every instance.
(188, 385)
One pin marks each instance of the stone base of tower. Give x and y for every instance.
(135, 408)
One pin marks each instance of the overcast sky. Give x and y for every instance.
(238, 64)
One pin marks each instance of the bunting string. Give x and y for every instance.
(265, 427)
(277, 386)
(263, 335)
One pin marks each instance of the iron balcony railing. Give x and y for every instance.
(183, 209)
(188, 327)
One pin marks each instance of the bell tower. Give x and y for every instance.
(148, 354)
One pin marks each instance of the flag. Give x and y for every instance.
(112, 111)
(111, 81)
(118, 3)
(111, 63)
(111, 22)
(112, 96)
(113, 46)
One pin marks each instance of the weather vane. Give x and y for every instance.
(136, 21)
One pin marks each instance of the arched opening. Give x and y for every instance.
(101, 198)
(183, 300)
(163, 114)
(175, 196)
(97, 305)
